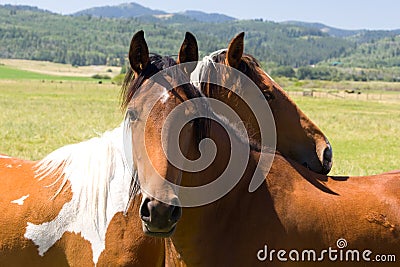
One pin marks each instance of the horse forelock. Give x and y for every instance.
(249, 65)
(99, 174)
(156, 63)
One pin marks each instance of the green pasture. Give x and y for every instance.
(8, 73)
(37, 117)
(364, 134)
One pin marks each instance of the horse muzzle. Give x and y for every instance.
(327, 161)
(158, 218)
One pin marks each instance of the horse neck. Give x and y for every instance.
(207, 224)
(236, 103)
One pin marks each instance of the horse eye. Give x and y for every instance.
(133, 116)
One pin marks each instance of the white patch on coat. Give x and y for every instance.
(20, 201)
(4, 157)
(9, 166)
(99, 172)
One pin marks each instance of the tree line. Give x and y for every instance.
(30, 33)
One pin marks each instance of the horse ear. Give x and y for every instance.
(189, 52)
(138, 52)
(235, 50)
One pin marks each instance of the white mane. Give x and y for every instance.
(196, 76)
(99, 172)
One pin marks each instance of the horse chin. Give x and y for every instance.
(158, 233)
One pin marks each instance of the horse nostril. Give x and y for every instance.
(176, 214)
(327, 160)
(328, 154)
(144, 210)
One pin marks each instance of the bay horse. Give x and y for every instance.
(296, 216)
(299, 138)
(72, 208)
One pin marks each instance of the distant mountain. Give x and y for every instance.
(133, 10)
(166, 19)
(361, 36)
(128, 10)
(324, 28)
(207, 17)
(24, 8)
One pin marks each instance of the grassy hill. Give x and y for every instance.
(383, 52)
(85, 40)
(30, 33)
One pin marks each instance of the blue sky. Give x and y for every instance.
(345, 14)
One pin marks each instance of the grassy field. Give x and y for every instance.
(365, 87)
(9, 73)
(33, 69)
(364, 134)
(37, 117)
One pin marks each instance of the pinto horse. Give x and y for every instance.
(72, 208)
(299, 138)
(67, 210)
(296, 216)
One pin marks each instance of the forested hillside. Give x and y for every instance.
(30, 33)
(82, 40)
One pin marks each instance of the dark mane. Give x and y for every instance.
(131, 83)
(158, 63)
